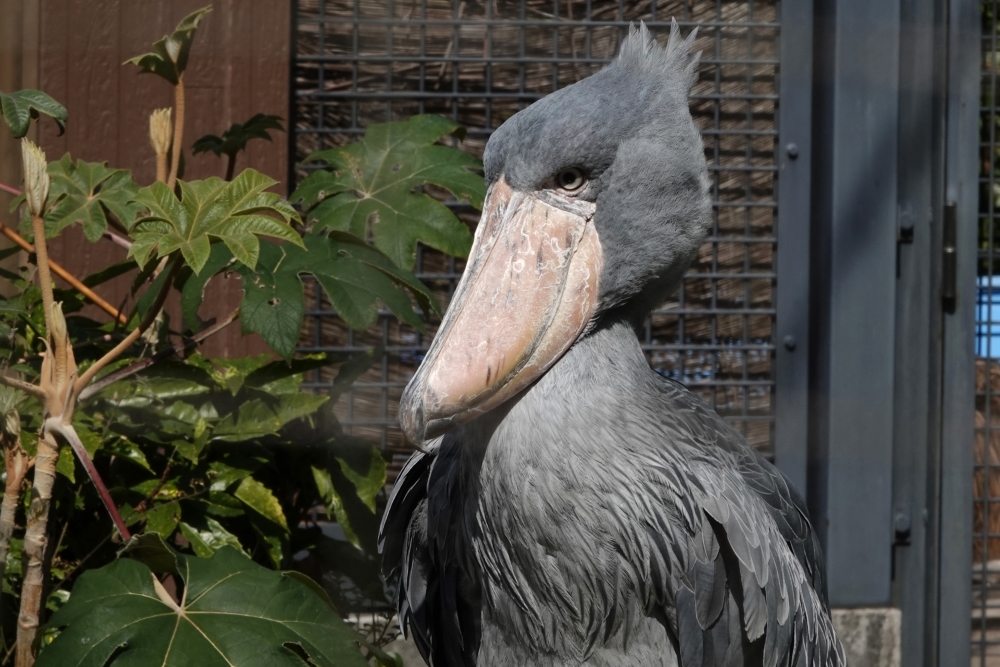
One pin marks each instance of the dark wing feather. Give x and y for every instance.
(744, 566)
(421, 541)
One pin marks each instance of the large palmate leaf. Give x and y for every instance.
(354, 275)
(235, 213)
(169, 56)
(21, 106)
(233, 613)
(86, 192)
(236, 137)
(370, 188)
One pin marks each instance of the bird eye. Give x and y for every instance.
(570, 179)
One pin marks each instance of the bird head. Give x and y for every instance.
(597, 201)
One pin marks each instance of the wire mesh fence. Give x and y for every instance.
(358, 62)
(986, 480)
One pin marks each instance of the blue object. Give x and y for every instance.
(988, 317)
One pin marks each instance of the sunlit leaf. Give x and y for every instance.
(85, 193)
(234, 213)
(260, 499)
(370, 188)
(163, 519)
(234, 612)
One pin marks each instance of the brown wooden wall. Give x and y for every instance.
(74, 50)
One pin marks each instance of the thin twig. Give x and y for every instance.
(178, 349)
(10, 190)
(133, 336)
(67, 276)
(23, 386)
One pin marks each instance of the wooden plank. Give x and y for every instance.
(240, 48)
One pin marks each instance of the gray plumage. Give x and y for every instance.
(605, 515)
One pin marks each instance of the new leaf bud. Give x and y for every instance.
(36, 177)
(160, 131)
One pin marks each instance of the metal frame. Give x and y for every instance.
(853, 293)
(923, 58)
(954, 518)
(791, 363)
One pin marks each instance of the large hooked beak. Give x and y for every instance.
(528, 292)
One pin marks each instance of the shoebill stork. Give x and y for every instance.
(569, 505)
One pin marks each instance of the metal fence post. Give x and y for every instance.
(853, 294)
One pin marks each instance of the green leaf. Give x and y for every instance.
(234, 612)
(207, 541)
(151, 550)
(238, 135)
(193, 292)
(335, 504)
(21, 106)
(163, 519)
(259, 498)
(85, 193)
(234, 213)
(368, 479)
(66, 464)
(354, 275)
(370, 188)
(170, 54)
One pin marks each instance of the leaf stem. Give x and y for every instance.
(10, 190)
(67, 276)
(178, 349)
(175, 153)
(44, 276)
(133, 335)
(161, 167)
(230, 165)
(68, 433)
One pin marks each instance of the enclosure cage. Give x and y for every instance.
(358, 62)
(986, 481)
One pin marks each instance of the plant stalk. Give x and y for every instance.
(161, 167)
(230, 166)
(17, 464)
(35, 542)
(44, 277)
(175, 153)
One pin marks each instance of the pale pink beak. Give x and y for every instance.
(529, 291)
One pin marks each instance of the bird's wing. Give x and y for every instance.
(725, 552)
(422, 549)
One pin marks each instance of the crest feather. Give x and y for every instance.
(640, 53)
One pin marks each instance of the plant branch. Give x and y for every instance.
(175, 154)
(67, 276)
(133, 336)
(68, 433)
(17, 463)
(44, 276)
(178, 349)
(10, 190)
(26, 387)
(35, 543)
